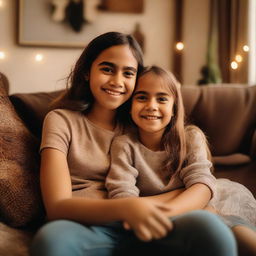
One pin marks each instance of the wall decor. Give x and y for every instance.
(128, 6)
(41, 24)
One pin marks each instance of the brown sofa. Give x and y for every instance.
(226, 113)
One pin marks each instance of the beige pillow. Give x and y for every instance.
(20, 199)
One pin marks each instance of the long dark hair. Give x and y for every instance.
(78, 95)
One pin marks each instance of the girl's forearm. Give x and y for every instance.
(193, 198)
(165, 197)
(89, 211)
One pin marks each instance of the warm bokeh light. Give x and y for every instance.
(1, 3)
(179, 46)
(2, 55)
(234, 65)
(246, 48)
(39, 57)
(239, 58)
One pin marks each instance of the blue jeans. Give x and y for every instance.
(195, 233)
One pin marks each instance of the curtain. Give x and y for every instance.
(211, 71)
(233, 35)
(228, 33)
(178, 21)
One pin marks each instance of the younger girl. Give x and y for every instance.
(163, 155)
(75, 159)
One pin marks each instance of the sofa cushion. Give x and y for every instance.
(14, 242)
(242, 173)
(233, 159)
(20, 199)
(32, 108)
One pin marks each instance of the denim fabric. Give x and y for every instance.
(195, 233)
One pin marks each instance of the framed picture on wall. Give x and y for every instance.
(125, 6)
(40, 23)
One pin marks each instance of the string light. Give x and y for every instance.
(246, 48)
(2, 55)
(179, 46)
(239, 58)
(234, 65)
(39, 57)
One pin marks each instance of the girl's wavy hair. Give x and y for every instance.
(173, 140)
(78, 95)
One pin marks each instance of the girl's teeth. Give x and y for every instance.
(113, 93)
(151, 117)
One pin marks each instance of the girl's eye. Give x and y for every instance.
(162, 99)
(129, 74)
(140, 98)
(107, 70)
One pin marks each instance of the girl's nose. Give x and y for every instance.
(116, 80)
(151, 105)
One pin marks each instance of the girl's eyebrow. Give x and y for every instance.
(140, 92)
(107, 63)
(111, 64)
(157, 94)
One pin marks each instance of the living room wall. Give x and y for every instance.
(157, 24)
(28, 75)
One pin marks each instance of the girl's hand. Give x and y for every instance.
(146, 218)
(211, 209)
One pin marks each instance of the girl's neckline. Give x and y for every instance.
(150, 150)
(116, 128)
(146, 148)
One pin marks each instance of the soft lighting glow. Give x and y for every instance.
(234, 65)
(39, 57)
(1, 3)
(239, 58)
(246, 48)
(2, 55)
(179, 46)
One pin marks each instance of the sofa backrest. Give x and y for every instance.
(226, 113)
(32, 108)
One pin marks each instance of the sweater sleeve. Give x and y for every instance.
(198, 167)
(121, 179)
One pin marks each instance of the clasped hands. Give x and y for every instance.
(147, 217)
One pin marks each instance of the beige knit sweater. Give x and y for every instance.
(137, 171)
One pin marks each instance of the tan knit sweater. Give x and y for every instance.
(138, 171)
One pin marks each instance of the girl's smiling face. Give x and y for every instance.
(152, 104)
(112, 77)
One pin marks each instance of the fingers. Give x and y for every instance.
(160, 225)
(126, 226)
(154, 227)
(144, 233)
(151, 231)
(157, 229)
(147, 219)
(164, 221)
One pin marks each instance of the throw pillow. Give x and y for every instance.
(20, 199)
